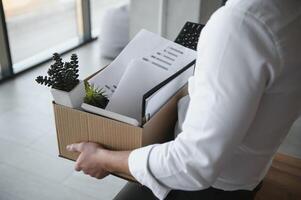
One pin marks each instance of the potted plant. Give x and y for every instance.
(96, 101)
(66, 88)
(95, 96)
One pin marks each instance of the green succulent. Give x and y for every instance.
(95, 96)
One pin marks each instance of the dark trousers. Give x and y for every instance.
(134, 191)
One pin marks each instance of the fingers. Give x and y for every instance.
(93, 172)
(77, 147)
(99, 174)
(77, 167)
(86, 161)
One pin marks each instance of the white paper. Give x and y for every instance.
(170, 57)
(139, 77)
(158, 99)
(146, 61)
(142, 44)
(143, 74)
(154, 49)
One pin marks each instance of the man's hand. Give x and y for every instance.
(90, 159)
(98, 162)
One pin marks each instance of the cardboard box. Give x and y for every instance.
(74, 125)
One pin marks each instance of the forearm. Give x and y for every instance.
(115, 161)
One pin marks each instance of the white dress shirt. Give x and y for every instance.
(244, 97)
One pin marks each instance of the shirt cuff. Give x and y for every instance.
(139, 168)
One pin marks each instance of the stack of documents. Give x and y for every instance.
(147, 61)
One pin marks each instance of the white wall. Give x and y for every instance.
(167, 17)
(144, 14)
(178, 12)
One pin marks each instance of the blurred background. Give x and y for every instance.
(30, 32)
(51, 25)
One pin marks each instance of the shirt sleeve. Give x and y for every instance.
(236, 56)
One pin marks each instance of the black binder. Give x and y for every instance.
(188, 37)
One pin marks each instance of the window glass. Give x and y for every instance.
(37, 26)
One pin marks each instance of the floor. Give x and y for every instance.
(29, 166)
(292, 143)
(283, 181)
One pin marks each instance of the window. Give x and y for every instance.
(31, 30)
(37, 26)
(98, 7)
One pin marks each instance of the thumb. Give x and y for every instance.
(77, 147)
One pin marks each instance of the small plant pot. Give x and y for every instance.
(72, 99)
